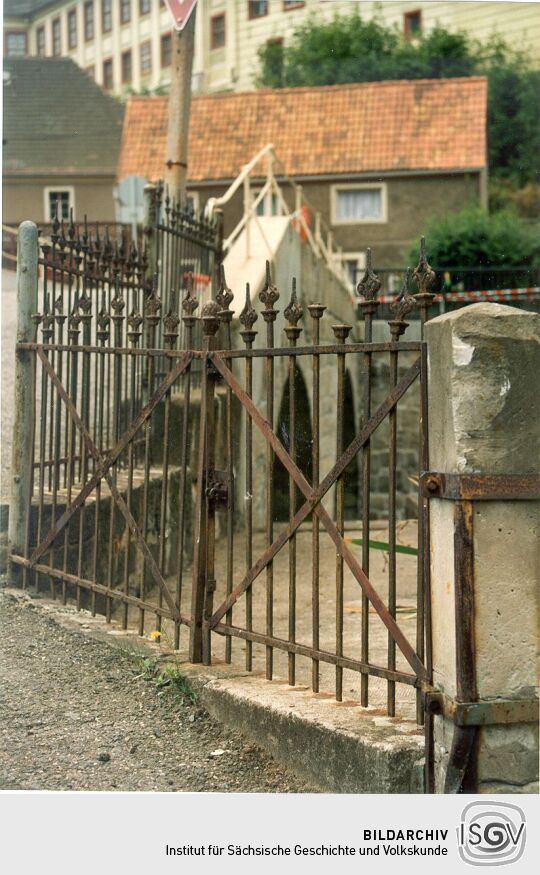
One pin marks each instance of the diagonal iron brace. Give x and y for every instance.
(116, 495)
(313, 503)
(108, 461)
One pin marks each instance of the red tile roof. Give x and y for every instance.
(423, 124)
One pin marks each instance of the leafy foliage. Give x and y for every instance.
(475, 238)
(351, 49)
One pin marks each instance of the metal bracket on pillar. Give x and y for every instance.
(494, 713)
(480, 487)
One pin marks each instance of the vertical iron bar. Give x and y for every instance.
(117, 305)
(189, 305)
(170, 335)
(134, 322)
(269, 295)
(392, 455)
(248, 317)
(316, 311)
(224, 297)
(152, 306)
(293, 313)
(341, 333)
(102, 335)
(368, 287)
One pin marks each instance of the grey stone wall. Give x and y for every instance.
(484, 413)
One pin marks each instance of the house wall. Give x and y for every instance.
(412, 201)
(235, 65)
(24, 198)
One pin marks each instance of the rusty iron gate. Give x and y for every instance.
(154, 429)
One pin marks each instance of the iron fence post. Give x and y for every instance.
(203, 582)
(24, 395)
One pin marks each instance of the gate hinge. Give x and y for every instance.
(497, 712)
(217, 489)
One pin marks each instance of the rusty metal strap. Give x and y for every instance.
(481, 487)
(494, 713)
(312, 502)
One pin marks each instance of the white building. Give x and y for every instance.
(126, 44)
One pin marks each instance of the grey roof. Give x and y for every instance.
(23, 8)
(57, 120)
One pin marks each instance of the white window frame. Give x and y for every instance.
(269, 200)
(358, 257)
(361, 186)
(49, 189)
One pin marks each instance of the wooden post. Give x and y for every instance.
(149, 229)
(175, 176)
(24, 394)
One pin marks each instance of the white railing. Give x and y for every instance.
(266, 169)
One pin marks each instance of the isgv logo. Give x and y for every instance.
(491, 833)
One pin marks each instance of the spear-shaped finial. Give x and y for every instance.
(401, 306)
(224, 296)
(268, 296)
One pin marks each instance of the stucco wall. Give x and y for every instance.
(412, 202)
(24, 199)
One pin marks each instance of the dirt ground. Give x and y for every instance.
(77, 714)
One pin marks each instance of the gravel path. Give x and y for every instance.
(76, 714)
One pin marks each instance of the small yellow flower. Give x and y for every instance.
(155, 635)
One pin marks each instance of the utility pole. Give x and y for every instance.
(175, 175)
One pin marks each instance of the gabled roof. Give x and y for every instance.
(57, 120)
(413, 125)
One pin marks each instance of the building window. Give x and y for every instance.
(40, 42)
(127, 67)
(412, 23)
(146, 58)
(72, 29)
(217, 31)
(257, 8)
(292, 4)
(144, 7)
(108, 74)
(166, 50)
(61, 200)
(354, 264)
(16, 44)
(125, 11)
(89, 20)
(268, 205)
(356, 204)
(106, 16)
(56, 38)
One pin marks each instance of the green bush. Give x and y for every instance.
(473, 238)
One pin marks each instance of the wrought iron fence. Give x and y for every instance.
(131, 486)
(455, 286)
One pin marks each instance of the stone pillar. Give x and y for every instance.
(484, 419)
